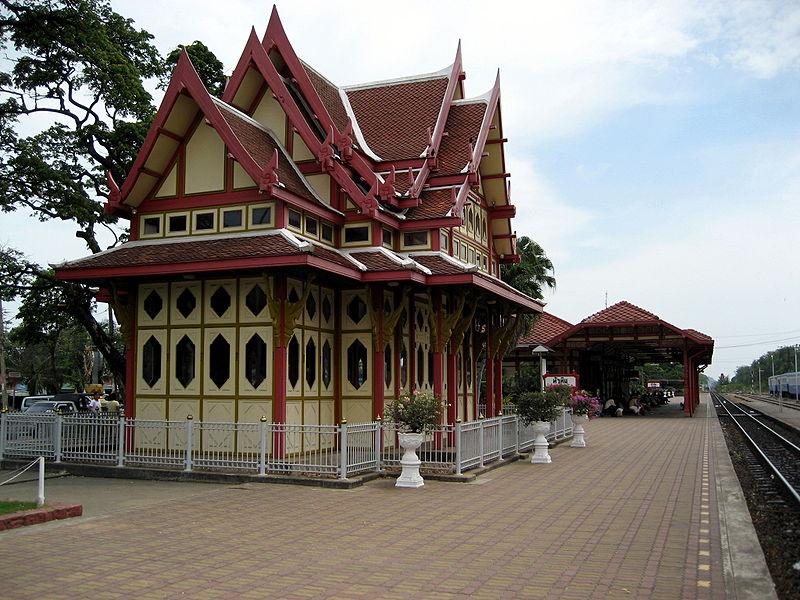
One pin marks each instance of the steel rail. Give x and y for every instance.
(794, 493)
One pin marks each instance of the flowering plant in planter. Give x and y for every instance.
(582, 403)
(414, 412)
(539, 406)
(563, 392)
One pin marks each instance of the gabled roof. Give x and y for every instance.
(619, 312)
(463, 127)
(545, 328)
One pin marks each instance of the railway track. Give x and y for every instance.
(785, 402)
(775, 458)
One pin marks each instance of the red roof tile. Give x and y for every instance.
(463, 126)
(261, 146)
(394, 118)
(439, 265)
(545, 328)
(378, 261)
(699, 334)
(433, 204)
(621, 311)
(329, 94)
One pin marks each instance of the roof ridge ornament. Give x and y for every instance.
(326, 152)
(269, 176)
(386, 190)
(344, 141)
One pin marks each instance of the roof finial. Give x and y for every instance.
(269, 176)
(113, 189)
(344, 141)
(386, 190)
(326, 152)
(410, 178)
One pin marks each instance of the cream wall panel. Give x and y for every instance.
(311, 389)
(366, 388)
(205, 161)
(211, 286)
(270, 114)
(329, 322)
(160, 386)
(241, 179)
(245, 287)
(175, 316)
(357, 410)
(349, 324)
(309, 319)
(311, 440)
(219, 410)
(179, 409)
(299, 149)
(217, 439)
(175, 386)
(150, 438)
(294, 416)
(326, 417)
(245, 387)
(169, 187)
(229, 386)
(142, 318)
(322, 185)
(181, 115)
(251, 411)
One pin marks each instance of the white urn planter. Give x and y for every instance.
(578, 433)
(410, 477)
(540, 445)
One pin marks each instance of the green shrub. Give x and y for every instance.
(539, 406)
(415, 412)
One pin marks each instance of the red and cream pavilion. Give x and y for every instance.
(306, 251)
(604, 349)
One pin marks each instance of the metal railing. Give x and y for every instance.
(263, 448)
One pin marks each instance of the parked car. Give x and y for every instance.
(31, 400)
(62, 407)
(81, 401)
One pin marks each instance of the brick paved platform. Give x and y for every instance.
(633, 515)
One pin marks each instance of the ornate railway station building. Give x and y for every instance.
(305, 251)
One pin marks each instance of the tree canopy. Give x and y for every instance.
(207, 65)
(533, 273)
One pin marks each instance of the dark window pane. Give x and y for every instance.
(262, 215)
(415, 238)
(327, 232)
(430, 368)
(311, 226)
(232, 218)
(184, 361)
(220, 301)
(151, 361)
(420, 366)
(294, 218)
(357, 364)
(387, 365)
(327, 360)
(311, 306)
(152, 226)
(403, 366)
(311, 362)
(356, 309)
(255, 300)
(177, 223)
(356, 234)
(204, 221)
(186, 303)
(294, 361)
(219, 361)
(153, 304)
(255, 360)
(326, 309)
(388, 237)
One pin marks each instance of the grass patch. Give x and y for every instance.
(10, 506)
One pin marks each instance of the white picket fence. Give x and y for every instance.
(262, 448)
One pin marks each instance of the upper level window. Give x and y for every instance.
(327, 232)
(151, 226)
(353, 235)
(444, 242)
(177, 224)
(204, 221)
(388, 238)
(415, 238)
(260, 216)
(232, 219)
(294, 218)
(311, 226)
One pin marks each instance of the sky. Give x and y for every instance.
(654, 147)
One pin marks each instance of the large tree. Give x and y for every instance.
(533, 273)
(81, 66)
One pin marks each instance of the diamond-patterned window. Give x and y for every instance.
(420, 320)
(151, 361)
(153, 304)
(311, 362)
(430, 368)
(311, 306)
(255, 300)
(326, 309)
(327, 361)
(420, 366)
(387, 365)
(186, 303)
(220, 301)
(255, 360)
(403, 366)
(293, 297)
(357, 364)
(219, 360)
(184, 361)
(356, 309)
(294, 361)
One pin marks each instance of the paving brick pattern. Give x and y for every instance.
(627, 517)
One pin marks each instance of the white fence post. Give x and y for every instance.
(189, 432)
(480, 440)
(40, 492)
(343, 450)
(3, 429)
(262, 448)
(516, 430)
(121, 441)
(458, 446)
(378, 443)
(57, 428)
(500, 435)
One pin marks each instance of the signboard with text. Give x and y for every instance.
(570, 379)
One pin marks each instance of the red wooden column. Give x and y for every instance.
(130, 357)
(378, 355)
(490, 369)
(438, 357)
(687, 384)
(279, 367)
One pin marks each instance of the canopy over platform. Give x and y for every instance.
(605, 348)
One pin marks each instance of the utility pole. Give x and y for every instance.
(796, 376)
(3, 374)
(759, 380)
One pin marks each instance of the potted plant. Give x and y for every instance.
(540, 408)
(413, 414)
(584, 407)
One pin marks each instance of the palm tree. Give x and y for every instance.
(534, 271)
